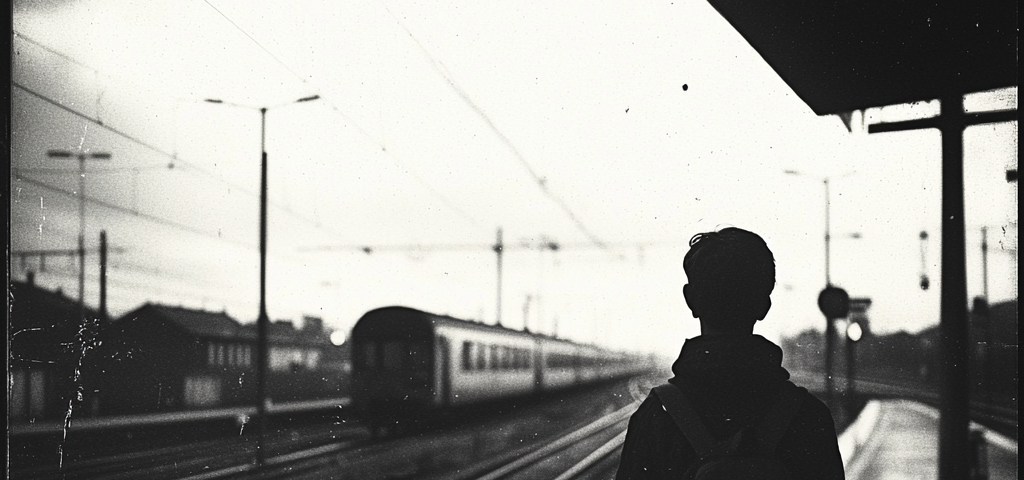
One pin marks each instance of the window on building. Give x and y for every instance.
(467, 355)
(211, 354)
(312, 359)
(481, 357)
(201, 391)
(28, 388)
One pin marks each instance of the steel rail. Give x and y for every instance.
(563, 442)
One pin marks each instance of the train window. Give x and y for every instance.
(417, 356)
(312, 359)
(481, 357)
(494, 357)
(369, 355)
(467, 356)
(506, 358)
(393, 353)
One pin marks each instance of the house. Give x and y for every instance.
(160, 357)
(164, 358)
(51, 342)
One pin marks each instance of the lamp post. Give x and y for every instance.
(82, 157)
(262, 320)
(854, 332)
(833, 301)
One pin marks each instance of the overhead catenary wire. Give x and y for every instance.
(538, 179)
(175, 158)
(136, 213)
(377, 142)
(453, 247)
(148, 285)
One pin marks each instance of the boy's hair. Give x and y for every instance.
(729, 271)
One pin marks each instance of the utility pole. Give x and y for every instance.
(103, 278)
(499, 249)
(263, 320)
(833, 301)
(82, 157)
(954, 382)
(984, 261)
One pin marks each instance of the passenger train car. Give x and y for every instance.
(406, 361)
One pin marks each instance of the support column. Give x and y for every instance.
(954, 396)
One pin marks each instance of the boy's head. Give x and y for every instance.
(731, 275)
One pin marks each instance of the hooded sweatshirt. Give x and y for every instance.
(733, 379)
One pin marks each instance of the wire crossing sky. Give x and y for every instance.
(615, 132)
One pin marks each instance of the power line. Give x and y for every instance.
(379, 143)
(150, 217)
(136, 213)
(171, 156)
(174, 157)
(454, 247)
(65, 171)
(63, 55)
(128, 284)
(130, 138)
(541, 181)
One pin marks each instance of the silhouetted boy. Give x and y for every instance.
(729, 375)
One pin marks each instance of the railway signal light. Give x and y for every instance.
(834, 302)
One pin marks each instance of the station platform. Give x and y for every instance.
(899, 439)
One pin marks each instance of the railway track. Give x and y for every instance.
(207, 459)
(570, 456)
(558, 438)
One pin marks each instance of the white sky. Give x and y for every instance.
(440, 122)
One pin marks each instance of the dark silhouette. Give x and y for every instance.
(729, 375)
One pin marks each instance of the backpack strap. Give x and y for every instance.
(770, 431)
(772, 428)
(686, 418)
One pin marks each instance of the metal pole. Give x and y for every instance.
(984, 261)
(830, 337)
(954, 385)
(81, 238)
(498, 248)
(103, 278)
(830, 328)
(850, 389)
(828, 236)
(262, 320)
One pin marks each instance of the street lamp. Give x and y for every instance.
(854, 332)
(82, 157)
(833, 301)
(263, 320)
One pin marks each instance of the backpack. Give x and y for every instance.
(749, 454)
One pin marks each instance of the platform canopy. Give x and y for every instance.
(839, 56)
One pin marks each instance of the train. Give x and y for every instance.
(406, 362)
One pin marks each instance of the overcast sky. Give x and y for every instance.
(615, 132)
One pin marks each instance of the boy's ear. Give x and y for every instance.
(691, 300)
(762, 310)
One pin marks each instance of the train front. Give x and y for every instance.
(392, 363)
